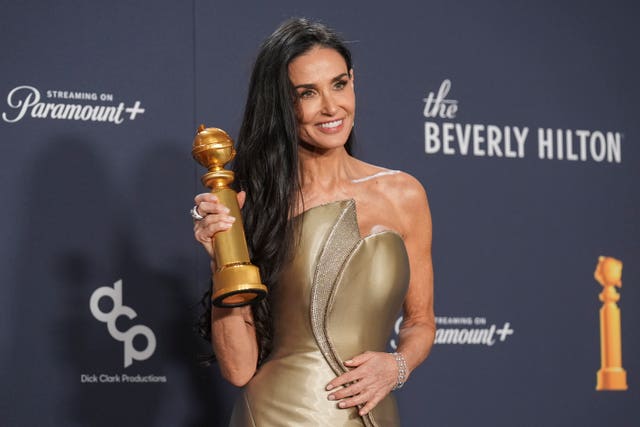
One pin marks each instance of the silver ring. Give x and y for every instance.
(194, 213)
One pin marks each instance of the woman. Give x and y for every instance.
(335, 239)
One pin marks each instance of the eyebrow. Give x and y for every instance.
(312, 86)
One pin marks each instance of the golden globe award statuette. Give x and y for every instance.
(611, 375)
(236, 282)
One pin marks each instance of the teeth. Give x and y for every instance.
(330, 125)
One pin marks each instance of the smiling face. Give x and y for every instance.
(325, 98)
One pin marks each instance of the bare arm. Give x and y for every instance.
(233, 334)
(234, 342)
(374, 374)
(417, 331)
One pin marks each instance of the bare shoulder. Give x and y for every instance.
(404, 192)
(408, 190)
(402, 195)
(409, 200)
(387, 180)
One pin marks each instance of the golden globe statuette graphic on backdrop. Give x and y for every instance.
(236, 282)
(611, 375)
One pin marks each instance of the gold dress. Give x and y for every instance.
(338, 297)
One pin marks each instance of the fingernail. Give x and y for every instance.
(225, 210)
(329, 387)
(362, 413)
(342, 404)
(348, 361)
(331, 397)
(230, 219)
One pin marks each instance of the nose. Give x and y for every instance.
(329, 104)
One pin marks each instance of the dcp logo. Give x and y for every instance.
(115, 294)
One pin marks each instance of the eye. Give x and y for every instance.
(340, 84)
(308, 93)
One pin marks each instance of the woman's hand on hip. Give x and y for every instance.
(216, 219)
(372, 377)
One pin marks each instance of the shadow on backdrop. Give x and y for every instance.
(81, 234)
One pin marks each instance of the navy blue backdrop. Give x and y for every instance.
(519, 118)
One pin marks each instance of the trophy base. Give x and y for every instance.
(612, 379)
(239, 295)
(237, 285)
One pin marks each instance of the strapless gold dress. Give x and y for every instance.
(338, 297)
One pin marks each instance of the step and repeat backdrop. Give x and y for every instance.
(519, 118)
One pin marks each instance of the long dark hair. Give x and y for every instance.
(266, 164)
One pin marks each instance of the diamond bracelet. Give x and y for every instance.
(402, 370)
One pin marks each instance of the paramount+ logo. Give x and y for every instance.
(119, 309)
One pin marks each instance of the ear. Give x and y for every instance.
(352, 78)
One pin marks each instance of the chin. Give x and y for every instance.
(325, 142)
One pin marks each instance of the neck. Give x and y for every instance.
(324, 170)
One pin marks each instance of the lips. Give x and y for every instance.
(330, 127)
